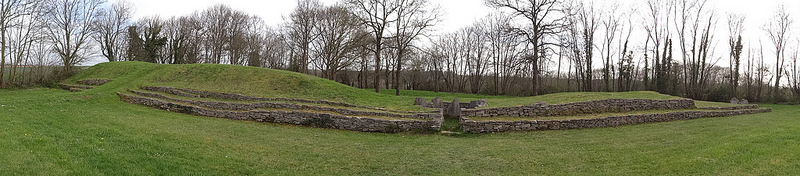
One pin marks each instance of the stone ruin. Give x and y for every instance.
(734, 100)
(450, 109)
(439, 104)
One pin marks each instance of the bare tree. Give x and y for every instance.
(735, 28)
(26, 33)
(502, 49)
(301, 33)
(10, 11)
(658, 32)
(625, 65)
(193, 29)
(583, 23)
(793, 74)
(695, 26)
(276, 50)
(339, 36)
(778, 31)
(377, 16)
(176, 34)
(543, 20)
(474, 52)
(611, 25)
(110, 26)
(413, 20)
(70, 28)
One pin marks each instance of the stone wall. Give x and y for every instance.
(94, 82)
(752, 106)
(472, 126)
(69, 87)
(274, 105)
(426, 122)
(232, 96)
(587, 107)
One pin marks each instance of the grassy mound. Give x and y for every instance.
(282, 84)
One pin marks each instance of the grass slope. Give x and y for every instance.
(277, 83)
(54, 132)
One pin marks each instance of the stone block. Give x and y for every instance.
(437, 102)
(743, 101)
(454, 110)
(734, 100)
(419, 101)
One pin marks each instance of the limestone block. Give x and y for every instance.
(419, 101)
(437, 102)
(734, 100)
(454, 110)
(744, 101)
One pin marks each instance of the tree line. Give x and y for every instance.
(524, 47)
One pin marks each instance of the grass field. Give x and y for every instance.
(55, 132)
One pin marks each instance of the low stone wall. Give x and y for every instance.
(94, 82)
(260, 105)
(171, 90)
(74, 88)
(427, 122)
(240, 97)
(752, 106)
(472, 126)
(587, 107)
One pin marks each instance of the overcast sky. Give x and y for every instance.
(462, 13)
(458, 13)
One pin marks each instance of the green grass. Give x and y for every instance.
(54, 132)
(704, 104)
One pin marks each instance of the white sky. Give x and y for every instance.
(458, 13)
(462, 13)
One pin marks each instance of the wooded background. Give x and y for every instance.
(525, 47)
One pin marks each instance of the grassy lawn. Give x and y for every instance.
(54, 132)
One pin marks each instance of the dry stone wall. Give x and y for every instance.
(587, 107)
(273, 105)
(752, 106)
(75, 88)
(472, 126)
(94, 82)
(232, 96)
(426, 122)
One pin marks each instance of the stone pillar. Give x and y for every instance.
(437, 102)
(454, 111)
